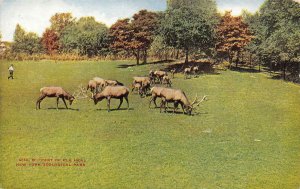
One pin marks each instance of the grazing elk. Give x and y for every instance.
(187, 71)
(92, 85)
(56, 92)
(178, 97)
(145, 83)
(100, 83)
(167, 81)
(159, 75)
(113, 83)
(109, 92)
(155, 93)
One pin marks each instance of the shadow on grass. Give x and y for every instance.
(244, 70)
(121, 109)
(70, 109)
(123, 66)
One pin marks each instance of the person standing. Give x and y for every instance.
(11, 72)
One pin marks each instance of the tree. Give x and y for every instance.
(28, 43)
(145, 25)
(233, 35)
(136, 35)
(60, 21)
(86, 36)
(50, 41)
(277, 31)
(187, 29)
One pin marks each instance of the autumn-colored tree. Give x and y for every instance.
(144, 24)
(50, 41)
(136, 35)
(233, 35)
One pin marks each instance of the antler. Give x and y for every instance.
(80, 93)
(203, 99)
(196, 98)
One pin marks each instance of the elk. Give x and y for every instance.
(155, 93)
(100, 82)
(92, 85)
(57, 92)
(152, 76)
(173, 72)
(160, 75)
(113, 83)
(187, 71)
(167, 81)
(195, 69)
(144, 81)
(109, 92)
(178, 97)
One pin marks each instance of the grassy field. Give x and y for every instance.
(247, 135)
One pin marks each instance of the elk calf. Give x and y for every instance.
(56, 92)
(117, 92)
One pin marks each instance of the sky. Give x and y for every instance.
(34, 15)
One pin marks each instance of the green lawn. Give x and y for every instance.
(247, 135)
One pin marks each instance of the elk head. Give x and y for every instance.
(195, 104)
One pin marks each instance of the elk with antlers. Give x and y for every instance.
(54, 92)
(178, 97)
(117, 92)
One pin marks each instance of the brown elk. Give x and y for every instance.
(173, 72)
(113, 83)
(152, 77)
(100, 83)
(109, 92)
(196, 70)
(92, 85)
(54, 92)
(178, 97)
(160, 75)
(167, 81)
(155, 93)
(144, 81)
(187, 71)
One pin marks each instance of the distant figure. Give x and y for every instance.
(11, 72)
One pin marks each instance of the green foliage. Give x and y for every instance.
(28, 43)
(277, 30)
(186, 29)
(86, 37)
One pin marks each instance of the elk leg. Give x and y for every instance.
(153, 98)
(38, 102)
(121, 101)
(57, 99)
(126, 98)
(175, 107)
(108, 104)
(182, 108)
(64, 102)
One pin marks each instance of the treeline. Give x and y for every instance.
(270, 38)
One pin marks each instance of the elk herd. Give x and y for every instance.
(143, 85)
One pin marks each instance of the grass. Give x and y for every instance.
(245, 136)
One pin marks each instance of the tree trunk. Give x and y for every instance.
(237, 59)
(284, 70)
(250, 60)
(145, 56)
(177, 54)
(186, 56)
(138, 57)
